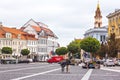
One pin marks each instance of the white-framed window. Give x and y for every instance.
(42, 49)
(8, 35)
(19, 36)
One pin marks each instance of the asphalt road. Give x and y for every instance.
(45, 71)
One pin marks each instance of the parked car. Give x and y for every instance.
(88, 65)
(9, 61)
(24, 61)
(118, 62)
(109, 63)
(55, 59)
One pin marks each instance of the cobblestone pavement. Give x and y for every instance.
(39, 71)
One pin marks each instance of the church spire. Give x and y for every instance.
(98, 16)
(98, 5)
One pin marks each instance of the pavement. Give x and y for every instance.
(45, 71)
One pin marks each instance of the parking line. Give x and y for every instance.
(87, 75)
(36, 74)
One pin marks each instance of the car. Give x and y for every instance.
(109, 63)
(8, 61)
(24, 61)
(91, 66)
(88, 65)
(118, 62)
(55, 59)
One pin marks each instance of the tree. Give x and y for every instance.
(90, 44)
(113, 45)
(7, 50)
(74, 48)
(25, 52)
(103, 50)
(61, 51)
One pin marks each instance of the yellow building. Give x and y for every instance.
(114, 23)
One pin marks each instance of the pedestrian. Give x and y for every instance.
(62, 64)
(67, 65)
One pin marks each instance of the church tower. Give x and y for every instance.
(98, 17)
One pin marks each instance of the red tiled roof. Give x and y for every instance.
(48, 31)
(15, 32)
(37, 28)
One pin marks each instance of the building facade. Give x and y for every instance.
(16, 39)
(114, 23)
(99, 32)
(47, 40)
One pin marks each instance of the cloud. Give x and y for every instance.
(67, 18)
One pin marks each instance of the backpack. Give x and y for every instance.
(67, 62)
(63, 63)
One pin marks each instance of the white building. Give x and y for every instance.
(98, 32)
(16, 39)
(46, 38)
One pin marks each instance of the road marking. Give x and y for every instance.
(36, 74)
(110, 69)
(20, 65)
(25, 68)
(87, 75)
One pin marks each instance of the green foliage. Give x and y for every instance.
(90, 44)
(113, 46)
(118, 44)
(61, 51)
(74, 47)
(103, 50)
(7, 50)
(25, 52)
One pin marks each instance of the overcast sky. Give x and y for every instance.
(68, 19)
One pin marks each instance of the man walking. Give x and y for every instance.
(63, 64)
(67, 65)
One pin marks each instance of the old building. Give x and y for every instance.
(17, 40)
(99, 32)
(114, 23)
(46, 38)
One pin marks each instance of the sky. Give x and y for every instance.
(68, 19)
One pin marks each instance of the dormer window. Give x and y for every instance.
(19, 36)
(8, 35)
(42, 33)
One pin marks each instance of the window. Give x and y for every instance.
(112, 29)
(119, 28)
(42, 49)
(100, 37)
(19, 36)
(8, 35)
(104, 38)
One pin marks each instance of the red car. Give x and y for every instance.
(55, 59)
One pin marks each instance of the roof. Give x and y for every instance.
(15, 33)
(37, 28)
(45, 29)
(48, 32)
